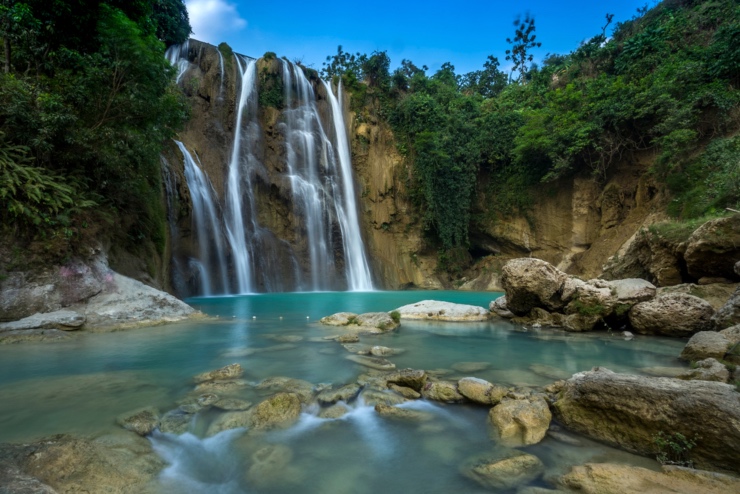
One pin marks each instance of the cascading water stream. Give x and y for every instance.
(177, 55)
(357, 268)
(206, 225)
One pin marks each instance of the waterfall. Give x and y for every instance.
(358, 271)
(206, 226)
(177, 55)
(305, 193)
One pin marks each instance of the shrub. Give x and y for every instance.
(674, 449)
(396, 316)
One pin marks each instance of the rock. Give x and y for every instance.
(675, 314)
(175, 422)
(277, 411)
(33, 335)
(432, 310)
(444, 391)
(221, 387)
(716, 294)
(229, 420)
(505, 471)
(729, 314)
(530, 283)
(498, 307)
(469, 367)
(628, 411)
(633, 290)
(393, 412)
(338, 319)
(303, 389)
(564, 438)
(594, 297)
(348, 338)
(142, 421)
(579, 322)
(372, 362)
(126, 303)
(357, 348)
(660, 371)
(520, 422)
(67, 464)
(231, 371)
(732, 334)
(714, 248)
(372, 397)
(405, 392)
(333, 412)
(269, 465)
(705, 344)
(604, 478)
(230, 404)
(707, 370)
(346, 393)
(480, 391)
(382, 351)
(284, 338)
(376, 322)
(65, 320)
(550, 372)
(411, 378)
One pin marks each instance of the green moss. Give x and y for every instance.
(396, 316)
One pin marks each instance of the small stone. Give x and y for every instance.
(142, 421)
(504, 472)
(348, 338)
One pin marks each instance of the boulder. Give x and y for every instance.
(277, 411)
(674, 314)
(304, 390)
(393, 412)
(175, 421)
(411, 378)
(578, 323)
(629, 411)
(503, 471)
(707, 370)
(605, 478)
(729, 314)
(345, 393)
(732, 334)
(66, 320)
(338, 319)
(444, 391)
(633, 290)
(142, 421)
(229, 420)
(705, 344)
(231, 371)
(713, 249)
(520, 422)
(530, 283)
(372, 397)
(333, 412)
(404, 391)
(376, 322)
(498, 307)
(480, 391)
(433, 310)
(594, 297)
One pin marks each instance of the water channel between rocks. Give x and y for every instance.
(82, 385)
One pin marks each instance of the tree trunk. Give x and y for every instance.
(6, 42)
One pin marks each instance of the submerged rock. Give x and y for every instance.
(432, 310)
(230, 371)
(269, 465)
(394, 412)
(303, 389)
(232, 404)
(520, 422)
(707, 370)
(673, 314)
(503, 471)
(66, 320)
(345, 393)
(142, 421)
(333, 412)
(175, 421)
(221, 387)
(372, 362)
(628, 411)
(404, 391)
(469, 367)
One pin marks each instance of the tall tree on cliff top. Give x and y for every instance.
(524, 40)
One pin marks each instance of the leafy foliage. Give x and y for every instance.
(674, 449)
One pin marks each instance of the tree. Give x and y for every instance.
(524, 40)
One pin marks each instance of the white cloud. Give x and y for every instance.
(211, 19)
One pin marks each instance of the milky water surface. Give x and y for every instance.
(82, 385)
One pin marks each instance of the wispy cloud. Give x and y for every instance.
(211, 19)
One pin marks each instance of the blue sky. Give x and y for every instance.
(428, 33)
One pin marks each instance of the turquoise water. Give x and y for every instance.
(80, 386)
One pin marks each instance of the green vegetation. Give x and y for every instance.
(396, 316)
(664, 83)
(674, 449)
(86, 102)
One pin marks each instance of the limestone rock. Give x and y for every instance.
(675, 314)
(499, 307)
(230, 371)
(470, 367)
(505, 471)
(520, 422)
(707, 370)
(376, 322)
(433, 310)
(550, 372)
(333, 412)
(10, 337)
(411, 378)
(714, 248)
(480, 391)
(729, 314)
(65, 320)
(338, 319)
(277, 411)
(142, 421)
(372, 362)
(530, 283)
(345, 393)
(372, 397)
(383, 351)
(232, 404)
(628, 411)
(348, 338)
(268, 465)
(732, 334)
(230, 420)
(393, 412)
(175, 422)
(221, 387)
(597, 300)
(444, 391)
(304, 390)
(579, 322)
(405, 392)
(608, 478)
(705, 344)
(633, 290)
